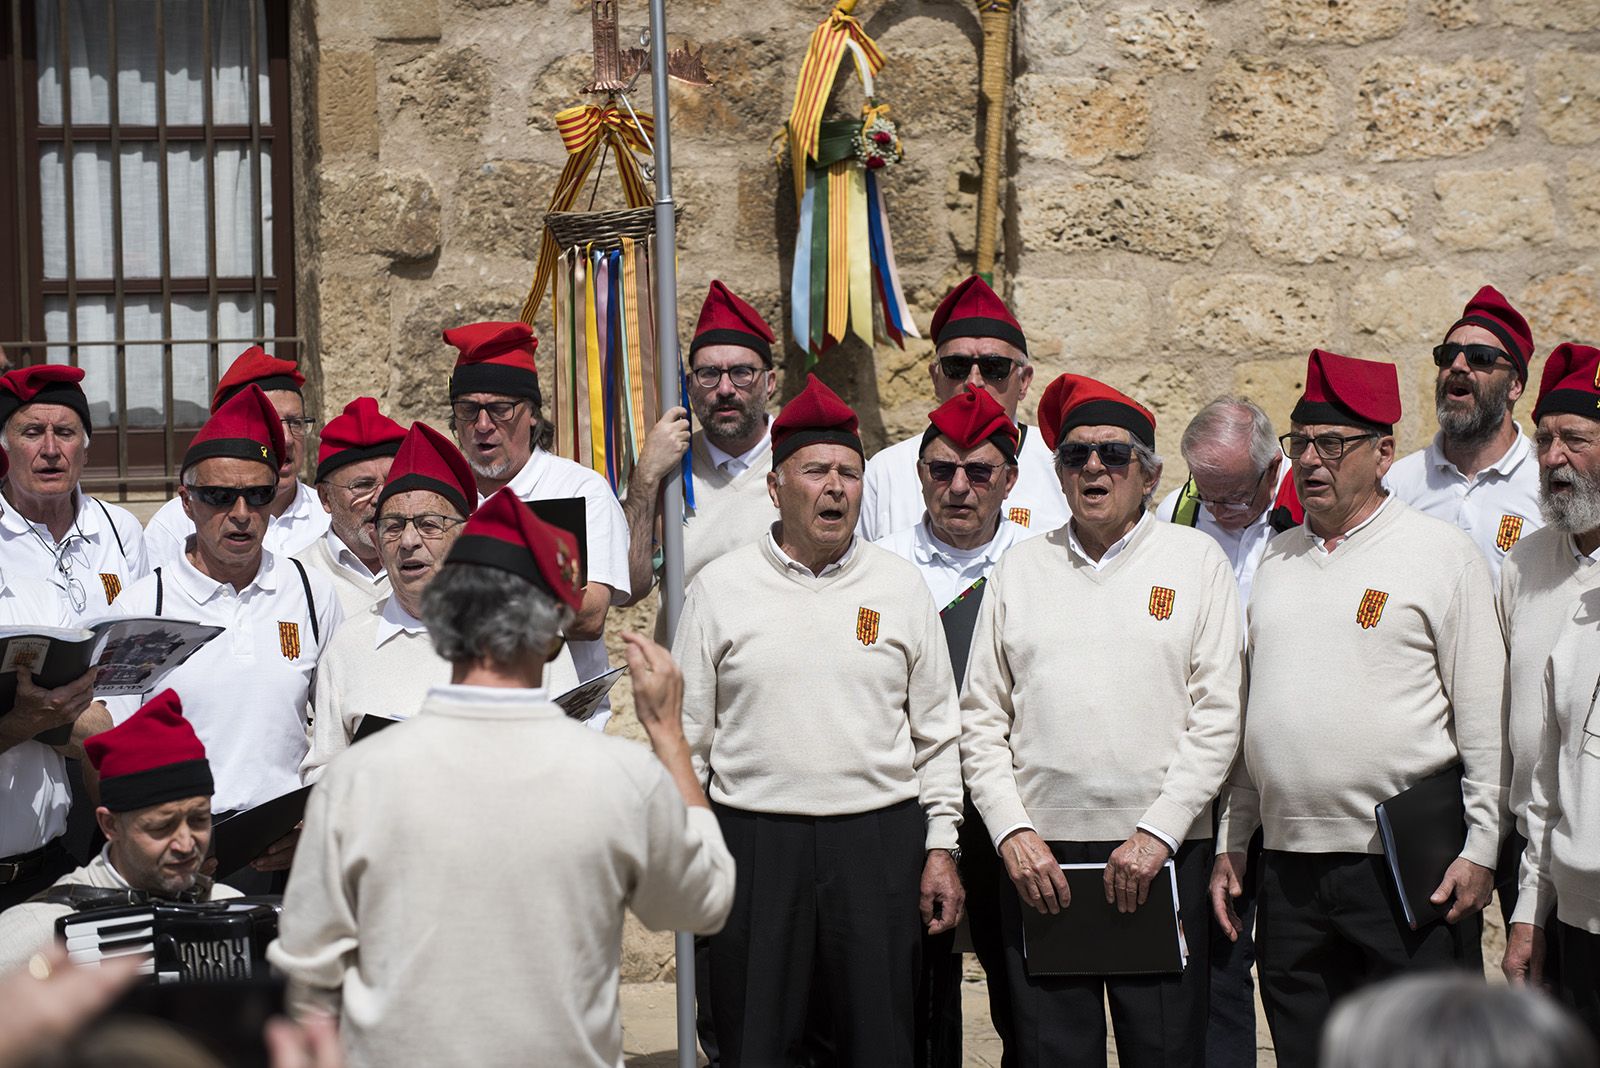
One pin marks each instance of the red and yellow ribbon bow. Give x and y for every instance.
(586, 131)
(817, 75)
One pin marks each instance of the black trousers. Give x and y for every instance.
(823, 904)
(1330, 923)
(1158, 1020)
(1579, 982)
(54, 862)
(1231, 1033)
(938, 1004)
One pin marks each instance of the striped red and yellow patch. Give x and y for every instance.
(1371, 608)
(1161, 599)
(866, 626)
(1019, 516)
(289, 640)
(1510, 530)
(112, 584)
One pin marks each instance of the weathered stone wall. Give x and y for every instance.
(1199, 192)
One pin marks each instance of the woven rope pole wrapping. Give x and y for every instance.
(995, 17)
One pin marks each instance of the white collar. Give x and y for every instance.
(346, 558)
(928, 547)
(202, 587)
(456, 693)
(396, 620)
(527, 477)
(105, 855)
(1521, 449)
(1321, 543)
(796, 566)
(300, 508)
(745, 460)
(1076, 546)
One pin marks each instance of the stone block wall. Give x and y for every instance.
(1198, 192)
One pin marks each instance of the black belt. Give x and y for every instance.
(26, 865)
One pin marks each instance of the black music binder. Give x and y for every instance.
(370, 725)
(244, 836)
(1423, 829)
(1090, 937)
(571, 515)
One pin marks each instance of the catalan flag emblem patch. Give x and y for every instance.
(1161, 600)
(1371, 608)
(1510, 530)
(866, 626)
(1019, 516)
(289, 640)
(112, 584)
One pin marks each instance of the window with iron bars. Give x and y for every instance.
(145, 209)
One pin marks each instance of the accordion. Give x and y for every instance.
(205, 942)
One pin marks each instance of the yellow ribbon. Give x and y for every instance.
(597, 415)
(860, 255)
(817, 73)
(586, 131)
(636, 360)
(838, 249)
(582, 329)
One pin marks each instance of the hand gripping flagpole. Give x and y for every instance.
(669, 373)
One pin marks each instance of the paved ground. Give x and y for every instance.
(649, 1028)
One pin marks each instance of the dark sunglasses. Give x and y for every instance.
(992, 368)
(1479, 357)
(1075, 454)
(226, 496)
(945, 470)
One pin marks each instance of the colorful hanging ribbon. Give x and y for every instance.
(817, 73)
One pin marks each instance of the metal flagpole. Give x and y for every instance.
(668, 373)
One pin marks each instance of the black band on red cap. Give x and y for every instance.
(267, 385)
(781, 451)
(1569, 402)
(231, 449)
(500, 555)
(416, 481)
(67, 394)
(1007, 447)
(1326, 413)
(157, 786)
(978, 326)
(354, 456)
(724, 336)
(498, 378)
(1105, 412)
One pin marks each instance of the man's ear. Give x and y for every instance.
(183, 498)
(323, 495)
(106, 820)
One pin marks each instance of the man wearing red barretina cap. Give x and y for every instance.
(295, 520)
(248, 692)
(1376, 663)
(1100, 717)
(979, 345)
(49, 526)
(1479, 473)
(460, 891)
(496, 410)
(155, 811)
(357, 447)
(1545, 598)
(968, 466)
(820, 704)
(381, 661)
(731, 382)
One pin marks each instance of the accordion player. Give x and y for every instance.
(206, 941)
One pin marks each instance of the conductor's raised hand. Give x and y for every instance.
(657, 687)
(1034, 871)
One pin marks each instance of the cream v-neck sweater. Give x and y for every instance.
(1100, 699)
(1371, 668)
(1539, 586)
(820, 696)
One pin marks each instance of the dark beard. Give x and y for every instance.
(749, 419)
(1475, 425)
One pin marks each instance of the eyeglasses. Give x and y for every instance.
(992, 368)
(225, 496)
(945, 470)
(465, 413)
(1237, 505)
(298, 427)
(358, 488)
(1479, 357)
(742, 377)
(430, 527)
(1328, 446)
(1113, 454)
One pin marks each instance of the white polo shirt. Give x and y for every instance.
(247, 692)
(166, 536)
(1244, 547)
(102, 555)
(34, 795)
(891, 492)
(1495, 507)
(547, 477)
(949, 571)
(357, 586)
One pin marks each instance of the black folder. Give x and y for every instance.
(1090, 937)
(571, 515)
(960, 618)
(371, 725)
(244, 836)
(1423, 829)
